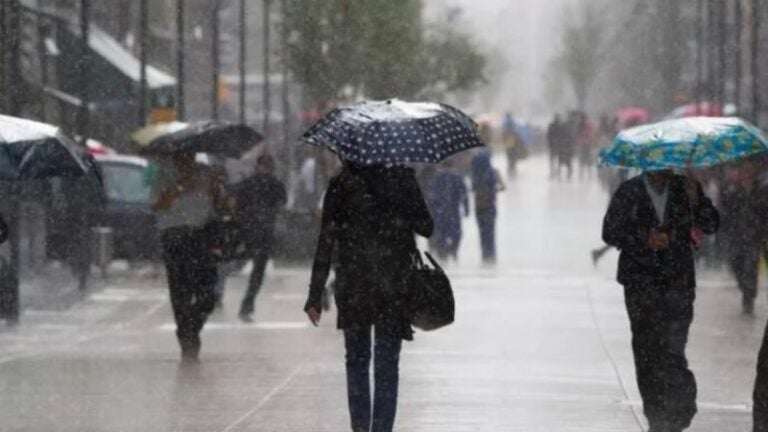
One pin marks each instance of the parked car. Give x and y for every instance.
(129, 188)
(127, 195)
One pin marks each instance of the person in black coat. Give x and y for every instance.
(258, 200)
(743, 234)
(655, 220)
(370, 218)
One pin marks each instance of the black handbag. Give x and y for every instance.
(432, 305)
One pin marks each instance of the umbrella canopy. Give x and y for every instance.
(32, 150)
(394, 132)
(683, 143)
(212, 137)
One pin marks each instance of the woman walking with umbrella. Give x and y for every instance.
(187, 201)
(371, 212)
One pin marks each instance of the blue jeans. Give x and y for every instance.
(386, 376)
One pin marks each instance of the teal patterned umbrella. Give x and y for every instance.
(683, 143)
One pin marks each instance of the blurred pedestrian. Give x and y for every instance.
(654, 220)
(258, 200)
(370, 216)
(513, 144)
(84, 203)
(743, 231)
(567, 146)
(555, 138)
(585, 143)
(486, 184)
(451, 203)
(187, 200)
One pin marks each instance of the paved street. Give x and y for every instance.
(541, 343)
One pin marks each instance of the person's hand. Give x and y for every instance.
(314, 316)
(658, 240)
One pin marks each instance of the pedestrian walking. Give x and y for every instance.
(187, 200)
(555, 137)
(449, 204)
(743, 231)
(486, 184)
(513, 144)
(370, 217)
(655, 220)
(85, 200)
(258, 200)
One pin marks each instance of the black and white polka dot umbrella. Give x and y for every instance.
(395, 132)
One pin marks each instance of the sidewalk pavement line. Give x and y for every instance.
(266, 399)
(604, 344)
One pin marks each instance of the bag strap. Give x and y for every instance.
(434, 262)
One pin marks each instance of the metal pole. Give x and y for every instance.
(722, 72)
(699, 52)
(738, 52)
(216, 61)
(3, 56)
(9, 293)
(180, 103)
(267, 58)
(286, 102)
(756, 108)
(84, 113)
(143, 48)
(242, 59)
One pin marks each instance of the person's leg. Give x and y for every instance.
(203, 274)
(744, 267)
(358, 361)
(180, 293)
(386, 379)
(260, 260)
(760, 393)
(680, 383)
(647, 348)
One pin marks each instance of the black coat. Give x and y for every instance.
(258, 200)
(370, 218)
(630, 218)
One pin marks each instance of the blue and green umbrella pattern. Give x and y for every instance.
(685, 143)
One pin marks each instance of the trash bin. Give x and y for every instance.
(102, 250)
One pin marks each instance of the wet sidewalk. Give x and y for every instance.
(541, 343)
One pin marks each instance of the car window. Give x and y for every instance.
(126, 183)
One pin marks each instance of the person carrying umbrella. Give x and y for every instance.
(656, 220)
(35, 151)
(187, 201)
(371, 213)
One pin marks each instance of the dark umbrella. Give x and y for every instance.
(32, 150)
(395, 132)
(212, 137)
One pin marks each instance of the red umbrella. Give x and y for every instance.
(633, 116)
(702, 109)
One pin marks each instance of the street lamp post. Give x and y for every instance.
(738, 53)
(755, 58)
(267, 66)
(216, 60)
(143, 47)
(242, 59)
(180, 103)
(699, 51)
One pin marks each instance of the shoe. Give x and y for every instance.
(245, 317)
